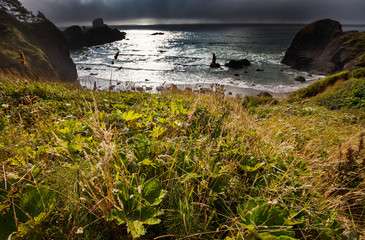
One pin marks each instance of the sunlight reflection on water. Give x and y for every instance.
(183, 58)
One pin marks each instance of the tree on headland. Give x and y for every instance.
(16, 8)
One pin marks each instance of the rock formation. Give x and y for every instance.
(99, 22)
(299, 79)
(323, 48)
(214, 64)
(99, 34)
(44, 48)
(238, 63)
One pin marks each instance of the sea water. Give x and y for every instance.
(181, 55)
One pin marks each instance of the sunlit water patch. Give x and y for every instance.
(181, 56)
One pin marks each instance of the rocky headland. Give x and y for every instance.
(34, 48)
(323, 48)
(99, 34)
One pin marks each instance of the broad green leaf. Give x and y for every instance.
(268, 221)
(152, 192)
(131, 116)
(136, 228)
(17, 161)
(147, 162)
(157, 131)
(152, 221)
(114, 214)
(252, 169)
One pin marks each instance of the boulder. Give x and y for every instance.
(264, 94)
(299, 79)
(323, 48)
(238, 63)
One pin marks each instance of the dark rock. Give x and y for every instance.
(160, 88)
(99, 22)
(259, 70)
(157, 33)
(75, 37)
(323, 48)
(237, 75)
(213, 64)
(102, 35)
(238, 63)
(264, 94)
(299, 79)
(98, 35)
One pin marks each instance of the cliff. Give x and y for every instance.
(44, 47)
(323, 48)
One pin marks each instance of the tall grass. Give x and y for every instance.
(79, 164)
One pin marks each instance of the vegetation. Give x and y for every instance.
(16, 9)
(80, 164)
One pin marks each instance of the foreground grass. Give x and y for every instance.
(77, 164)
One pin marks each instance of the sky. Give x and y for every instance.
(69, 12)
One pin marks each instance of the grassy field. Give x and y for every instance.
(80, 164)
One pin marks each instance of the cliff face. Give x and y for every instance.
(323, 48)
(44, 46)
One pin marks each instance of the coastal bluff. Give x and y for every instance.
(99, 34)
(323, 48)
(37, 48)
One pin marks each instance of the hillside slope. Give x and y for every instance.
(43, 45)
(180, 165)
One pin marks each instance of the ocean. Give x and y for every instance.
(181, 54)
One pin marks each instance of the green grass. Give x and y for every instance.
(80, 164)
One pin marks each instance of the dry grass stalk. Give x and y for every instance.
(21, 58)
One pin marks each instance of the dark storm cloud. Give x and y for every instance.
(205, 10)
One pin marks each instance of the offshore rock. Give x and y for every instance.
(323, 48)
(99, 34)
(238, 63)
(99, 22)
(299, 79)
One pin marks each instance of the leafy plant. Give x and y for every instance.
(266, 220)
(137, 206)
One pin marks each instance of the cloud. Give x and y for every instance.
(201, 10)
